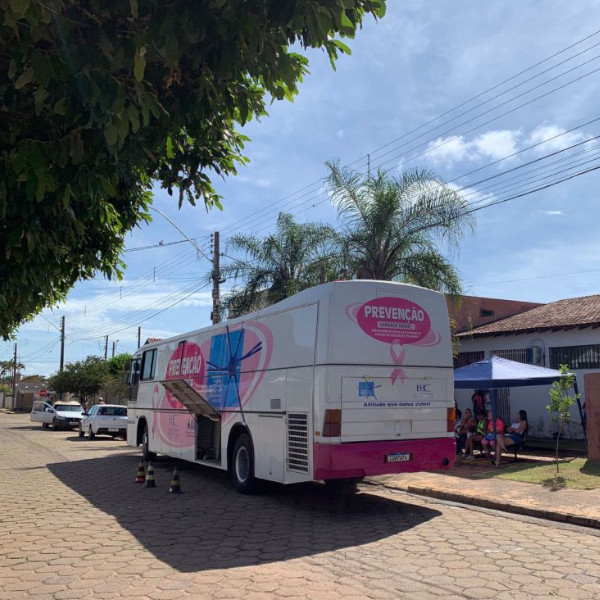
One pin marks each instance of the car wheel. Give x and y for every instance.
(81, 433)
(45, 425)
(146, 454)
(91, 433)
(242, 469)
(55, 425)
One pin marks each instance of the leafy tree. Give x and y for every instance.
(561, 402)
(293, 258)
(84, 378)
(100, 99)
(118, 365)
(6, 369)
(114, 387)
(392, 225)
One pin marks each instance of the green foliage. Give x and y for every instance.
(295, 257)
(561, 401)
(100, 99)
(6, 369)
(118, 365)
(84, 378)
(392, 225)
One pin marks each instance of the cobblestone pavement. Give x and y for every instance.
(73, 524)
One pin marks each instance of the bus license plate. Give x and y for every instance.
(113, 430)
(398, 457)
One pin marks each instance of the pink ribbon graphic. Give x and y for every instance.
(397, 352)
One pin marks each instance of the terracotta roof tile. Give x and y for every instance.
(573, 312)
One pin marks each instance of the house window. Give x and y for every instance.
(516, 354)
(484, 312)
(466, 358)
(148, 364)
(576, 357)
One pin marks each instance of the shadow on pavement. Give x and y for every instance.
(211, 526)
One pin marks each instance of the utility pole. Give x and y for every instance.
(105, 348)
(114, 347)
(139, 336)
(14, 385)
(216, 293)
(62, 344)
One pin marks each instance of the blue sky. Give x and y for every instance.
(421, 61)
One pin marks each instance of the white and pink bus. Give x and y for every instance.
(340, 381)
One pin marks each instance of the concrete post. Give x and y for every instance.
(592, 411)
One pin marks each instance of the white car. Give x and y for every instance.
(61, 415)
(104, 419)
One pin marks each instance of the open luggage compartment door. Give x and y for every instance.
(190, 398)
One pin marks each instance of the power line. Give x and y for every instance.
(280, 204)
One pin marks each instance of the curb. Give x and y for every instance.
(538, 513)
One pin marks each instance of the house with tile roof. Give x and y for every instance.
(548, 335)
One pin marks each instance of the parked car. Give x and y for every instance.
(61, 415)
(104, 419)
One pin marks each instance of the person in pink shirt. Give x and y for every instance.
(489, 440)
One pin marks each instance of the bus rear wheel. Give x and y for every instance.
(146, 454)
(242, 470)
(348, 483)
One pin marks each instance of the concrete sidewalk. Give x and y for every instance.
(464, 484)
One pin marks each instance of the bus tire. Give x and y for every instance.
(242, 465)
(347, 483)
(146, 454)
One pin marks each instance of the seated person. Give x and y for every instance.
(467, 427)
(514, 434)
(458, 421)
(479, 434)
(489, 440)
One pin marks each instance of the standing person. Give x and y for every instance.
(478, 400)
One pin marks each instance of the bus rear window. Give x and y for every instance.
(148, 364)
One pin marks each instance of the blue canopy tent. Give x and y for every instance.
(495, 372)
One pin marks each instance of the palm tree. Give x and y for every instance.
(392, 225)
(296, 256)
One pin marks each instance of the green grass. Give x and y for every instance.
(574, 473)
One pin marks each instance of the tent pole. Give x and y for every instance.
(494, 407)
(581, 415)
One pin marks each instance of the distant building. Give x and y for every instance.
(563, 332)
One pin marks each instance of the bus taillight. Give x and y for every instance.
(450, 418)
(332, 426)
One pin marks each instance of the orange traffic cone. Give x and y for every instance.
(175, 485)
(150, 483)
(141, 473)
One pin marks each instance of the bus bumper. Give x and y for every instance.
(358, 459)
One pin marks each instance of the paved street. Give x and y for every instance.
(73, 524)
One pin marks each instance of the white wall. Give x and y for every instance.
(535, 399)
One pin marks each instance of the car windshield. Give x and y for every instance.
(68, 407)
(115, 411)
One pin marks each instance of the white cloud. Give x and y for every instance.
(497, 144)
(449, 150)
(490, 145)
(554, 213)
(339, 133)
(561, 138)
